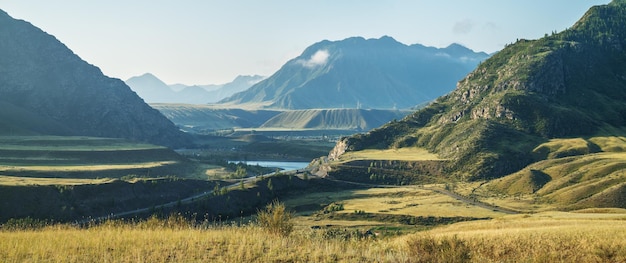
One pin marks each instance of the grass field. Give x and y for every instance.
(25, 181)
(70, 143)
(379, 204)
(401, 154)
(81, 168)
(83, 158)
(544, 237)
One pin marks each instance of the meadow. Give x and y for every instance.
(543, 237)
(77, 157)
(400, 154)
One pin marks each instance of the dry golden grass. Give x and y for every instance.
(7, 169)
(401, 154)
(228, 244)
(551, 237)
(409, 200)
(546, 237)
(21, 181)
(412, 201)
(70, 143)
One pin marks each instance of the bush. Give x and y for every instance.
(332, 208)
(275, 219)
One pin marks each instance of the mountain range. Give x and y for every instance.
(523, 104)
(207, 118)
(362, 73)
(47, 89)
(153, 90)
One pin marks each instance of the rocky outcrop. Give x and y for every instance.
(340, 148)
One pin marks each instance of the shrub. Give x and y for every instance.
(275, 219)
(333, 207)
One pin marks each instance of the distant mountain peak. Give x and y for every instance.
(357, 72)
(153, 90)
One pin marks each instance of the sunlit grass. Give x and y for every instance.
(70, 143)
(410, 201)
(23, 181)
(80, 168)
(401, 154)
(224, 244)
(413, 201)
(544, 237)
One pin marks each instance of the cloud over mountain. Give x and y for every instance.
(362, 73)
(318, 59)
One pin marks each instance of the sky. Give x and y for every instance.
(197, 42)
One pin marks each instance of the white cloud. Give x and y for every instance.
(318, 59)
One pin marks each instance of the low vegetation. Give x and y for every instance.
(528, 238)
(400, 154)
(86, 158)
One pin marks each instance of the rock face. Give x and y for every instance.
(50, 90)
(359, 73)
(340, 148)
(568, 84)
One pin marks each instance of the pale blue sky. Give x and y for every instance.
(211, 42)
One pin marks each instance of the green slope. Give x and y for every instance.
(568, 84)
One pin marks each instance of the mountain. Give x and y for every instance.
(47, 89)
(239, 84)
(208, 118)
(195, 118)
(359, 73)
(150, 88)
(342, 119)
(565, 85)
(153, 90)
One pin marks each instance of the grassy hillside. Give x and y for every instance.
(564, 85)
(579, 173)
